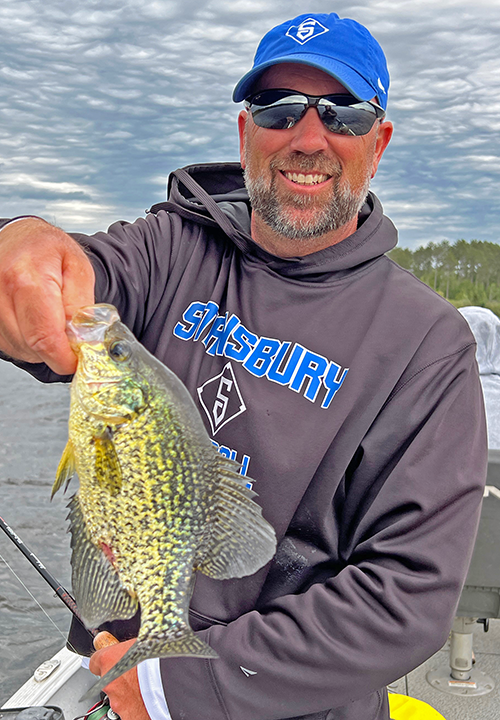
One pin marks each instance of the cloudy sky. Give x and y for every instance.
(99, 101)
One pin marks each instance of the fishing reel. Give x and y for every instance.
(100, 711)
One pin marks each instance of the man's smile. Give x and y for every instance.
(305, 179)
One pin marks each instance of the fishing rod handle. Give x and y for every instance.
(104, 639)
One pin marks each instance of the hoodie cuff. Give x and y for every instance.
(151, 687)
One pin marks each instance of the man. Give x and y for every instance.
(346, 388)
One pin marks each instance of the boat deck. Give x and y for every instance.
(69, 685)
(486, 646)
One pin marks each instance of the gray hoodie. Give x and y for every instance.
(349, 392)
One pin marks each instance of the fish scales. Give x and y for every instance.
(119, 521)
(156, 502)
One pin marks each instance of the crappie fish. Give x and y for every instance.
(156, 501)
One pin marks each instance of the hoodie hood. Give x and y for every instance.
(214, 194)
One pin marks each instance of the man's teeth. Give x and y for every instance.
(302, 179)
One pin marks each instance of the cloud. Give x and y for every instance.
(99, 103)
(35, 187)
(73, 214)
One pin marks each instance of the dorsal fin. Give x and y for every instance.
(239, 540)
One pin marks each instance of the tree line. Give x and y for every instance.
(465, 273)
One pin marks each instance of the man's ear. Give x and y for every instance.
(242, 121)
(384, 134)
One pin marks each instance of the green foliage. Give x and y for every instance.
(465, 273)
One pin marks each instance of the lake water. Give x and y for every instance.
(33, 433)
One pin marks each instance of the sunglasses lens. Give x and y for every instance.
(278, 118)
(281, 109)
(348, 120)
(277, 109)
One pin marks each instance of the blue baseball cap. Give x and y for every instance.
(340, 47)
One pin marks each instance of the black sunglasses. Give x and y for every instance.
(341, 114)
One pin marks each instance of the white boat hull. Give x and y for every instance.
(62, 687)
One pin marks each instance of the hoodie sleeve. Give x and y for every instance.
(406, 516)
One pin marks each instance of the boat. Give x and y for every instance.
(58, 684)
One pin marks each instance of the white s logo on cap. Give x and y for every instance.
(307, 30)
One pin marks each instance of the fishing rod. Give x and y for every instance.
(101, 710)
(60, 591)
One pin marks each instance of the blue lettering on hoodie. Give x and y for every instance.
(302, 370)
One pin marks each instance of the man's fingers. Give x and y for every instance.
(124, 693)
(104, 659)
(44, 278)
(41, 327)
(78, 281)
(18, 314)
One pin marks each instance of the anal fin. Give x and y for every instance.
(99, 592)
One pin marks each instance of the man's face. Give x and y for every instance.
(306, 181)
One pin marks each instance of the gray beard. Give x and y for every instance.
(344, 204)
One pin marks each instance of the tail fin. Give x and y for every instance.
(152, 647)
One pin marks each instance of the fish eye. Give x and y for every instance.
(120, 350)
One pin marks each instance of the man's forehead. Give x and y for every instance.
(298, 76)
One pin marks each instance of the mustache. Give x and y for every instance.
(306, 163)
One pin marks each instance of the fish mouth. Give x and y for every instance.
(90, 324)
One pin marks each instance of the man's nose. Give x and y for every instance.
(309, 134)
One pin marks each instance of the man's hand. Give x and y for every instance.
(124, 692)
(44, 278)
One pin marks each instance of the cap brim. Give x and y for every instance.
(350, 79)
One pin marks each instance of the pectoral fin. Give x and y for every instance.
(99, 592)
(107, 465)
